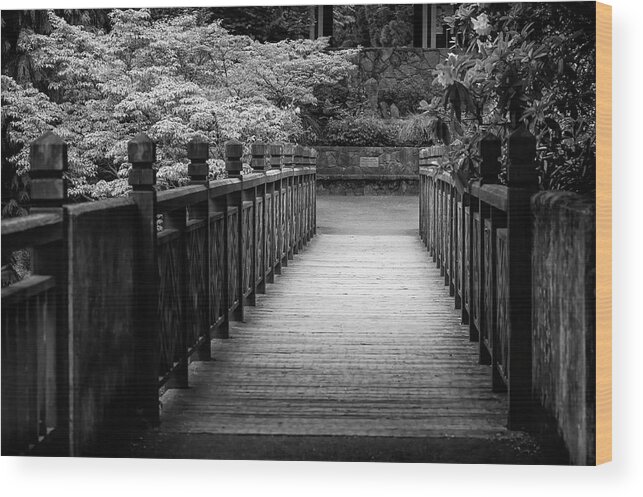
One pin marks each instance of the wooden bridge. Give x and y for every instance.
(276, 325)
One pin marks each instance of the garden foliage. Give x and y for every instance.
(172, 77)
(530, 64)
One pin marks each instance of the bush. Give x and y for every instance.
(361, 131)
(407, 95)
(173, 78)
(523, 64)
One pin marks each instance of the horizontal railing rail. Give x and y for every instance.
(125, 292)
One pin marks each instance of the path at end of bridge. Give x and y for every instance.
(355, 353)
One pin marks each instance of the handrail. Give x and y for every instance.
(33, 229)
(142, 282)
(479, 236)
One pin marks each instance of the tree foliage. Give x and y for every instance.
(263, 23)
(522, 63)
(170, 76)
(379, 25)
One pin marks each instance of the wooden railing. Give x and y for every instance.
(125, 292)
(479, 235)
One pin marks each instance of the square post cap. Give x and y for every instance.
(141, 150)
(198, 149)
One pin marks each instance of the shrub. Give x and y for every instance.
(172, 77)
(407, 95)
(526, 64)
(361, 131)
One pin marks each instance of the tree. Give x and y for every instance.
(523, 63)
(171, 76)
(264, 24)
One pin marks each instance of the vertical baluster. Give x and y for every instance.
(261, 162)
(276, 162)
(314, 180)
(288, 158)
(304, 203)
(299, 152)
(421, 163)
(234, 166)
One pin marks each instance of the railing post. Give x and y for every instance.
(304, 197)
(198, 153)
(490, 150)
(299, 159)
(522, 182)
(48, 159)
(260, 163)
(422, 161)
(234, 166)
(288, 164)
(314, 188)
(144, 394)
(233, 153)
(276, 163)
(276, 156)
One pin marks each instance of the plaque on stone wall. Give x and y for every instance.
(369, 162)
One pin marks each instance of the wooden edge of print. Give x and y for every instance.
(603, 233)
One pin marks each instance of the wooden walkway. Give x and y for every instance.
(355, 353)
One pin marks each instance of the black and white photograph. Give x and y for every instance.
(340, 233)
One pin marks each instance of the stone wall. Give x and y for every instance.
(367, 170)
(563, 340)
(389, 66)
(385, 71)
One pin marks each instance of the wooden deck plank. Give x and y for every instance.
(358, 337)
